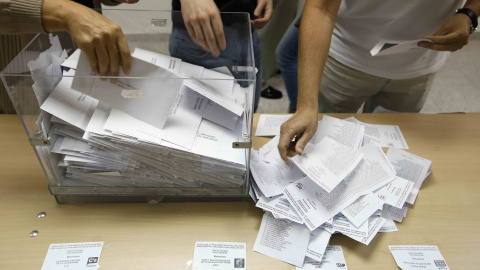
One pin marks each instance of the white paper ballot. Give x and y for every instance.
(282, 241)
(219, 255)
(218, 114)
(347, 133)
(269, 125)
(388, 226)
(387, 47)
(147, 93)
(219, 97)
(73, 256)
(343, 225)
(410, 167)
(419, 257)
(71, 106)
(374, 225)
(396, 192)
(328, 162)
(363, 208)
(385, 135)
(315, 206)
(333, 259)
(72, 60)
(319, 239)
(268, 178)
(280, 206)
(161, 60)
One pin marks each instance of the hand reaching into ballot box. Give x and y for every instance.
(204, 24)
(101, 39)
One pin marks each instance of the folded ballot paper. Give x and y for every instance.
(343, 183)
(151, 128)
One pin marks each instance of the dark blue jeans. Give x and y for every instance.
(287, 60)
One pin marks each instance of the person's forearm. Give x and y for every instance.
(318, 20)
(474, 5)
(56, 14)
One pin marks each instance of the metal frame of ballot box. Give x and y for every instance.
(83, 164)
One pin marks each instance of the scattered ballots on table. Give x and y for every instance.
(343, 183)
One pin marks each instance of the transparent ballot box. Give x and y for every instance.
(178, 127)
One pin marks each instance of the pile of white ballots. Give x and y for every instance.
(343, 183)
(152, 129)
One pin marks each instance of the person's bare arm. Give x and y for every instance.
(101, 39)
(318, 20)
(454, 33)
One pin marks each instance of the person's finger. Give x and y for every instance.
(303, 141)
(191, 31)
(125, 54)
(217, 26)
(113, 54)
(286, 137)
(103, 59)
(209, 36)
(441, 47)
(258, 12)
(199, 38)
(267, 14)
(453, 37)
(92, 58)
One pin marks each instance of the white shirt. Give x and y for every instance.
(362, 23)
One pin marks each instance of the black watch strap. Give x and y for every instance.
(472, 16)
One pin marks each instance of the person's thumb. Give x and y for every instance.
(302, 142)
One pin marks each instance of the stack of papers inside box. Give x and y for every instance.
(343, 183)
(152, 128)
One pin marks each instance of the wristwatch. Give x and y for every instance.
(472, 16)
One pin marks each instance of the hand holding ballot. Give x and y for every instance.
(101, 39)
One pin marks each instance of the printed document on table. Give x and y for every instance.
(328, 162)
(345, 132)
(280, 206)
(269, 125)
(363, 208)
(388, 226)
(73, 256)
(147, 93)
(343, 225)
(387, 47)
(315, 206)
(410, 167)
(396, 192)
(382, 135)
(319, 239)
(374, 225)
(268, 178)
(333, 259)
(282, 241)
(397, 214)
(419, 257)
(219, 255)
